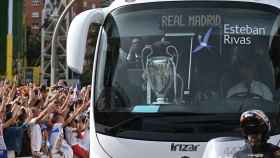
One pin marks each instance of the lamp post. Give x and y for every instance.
(54, 57)
(9, 65)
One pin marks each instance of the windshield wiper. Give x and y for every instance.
(188, 121)
(212, 117)
(116, 128)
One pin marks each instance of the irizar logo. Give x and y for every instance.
(184, 147)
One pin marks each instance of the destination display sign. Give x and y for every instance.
(233, 32)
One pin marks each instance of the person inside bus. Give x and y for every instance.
(255, 127)
(134, 53)
(249, 84)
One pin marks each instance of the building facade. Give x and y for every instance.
(82, 5)
(33, 11)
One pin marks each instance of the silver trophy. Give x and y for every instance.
(160, 72)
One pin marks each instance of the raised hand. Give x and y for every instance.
(12, 93)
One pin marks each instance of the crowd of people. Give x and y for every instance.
(41, 121)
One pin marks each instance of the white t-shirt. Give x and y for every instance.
(71, 136)
(36, 136)
(2, 142)
(86, 140)
(57, 135)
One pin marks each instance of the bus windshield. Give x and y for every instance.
(164, 63)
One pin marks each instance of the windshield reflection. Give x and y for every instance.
(225, 61)
(169, 61)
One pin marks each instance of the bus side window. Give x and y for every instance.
(275, 56)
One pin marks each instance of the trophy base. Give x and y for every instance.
(161, 101)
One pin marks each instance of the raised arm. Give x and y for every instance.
(79, 110)
(46, 111)
(12, 120)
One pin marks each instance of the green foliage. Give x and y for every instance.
(3, 34)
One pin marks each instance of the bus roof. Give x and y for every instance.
(119, 3)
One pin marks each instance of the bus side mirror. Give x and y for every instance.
(77, 37)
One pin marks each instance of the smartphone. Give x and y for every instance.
(36, 92)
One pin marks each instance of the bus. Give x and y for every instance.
(172, 77)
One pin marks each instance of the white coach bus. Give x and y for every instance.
(170, 76)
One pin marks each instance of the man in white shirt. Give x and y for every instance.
(36, 138)
(249, 86)
(35, 129)
(72, 137)
(59, 147)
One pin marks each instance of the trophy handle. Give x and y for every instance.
(173, 54)
(175, 57)
(146, 57)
